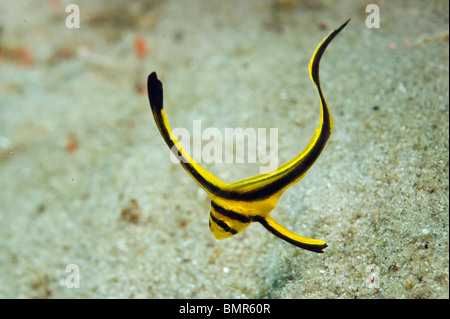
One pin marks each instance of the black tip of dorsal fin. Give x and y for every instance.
(343, 25)
(155, 91)
(320, 50)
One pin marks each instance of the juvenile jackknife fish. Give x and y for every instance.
(234, 206)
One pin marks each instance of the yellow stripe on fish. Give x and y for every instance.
(234, 206)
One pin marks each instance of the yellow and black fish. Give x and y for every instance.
(234, 206)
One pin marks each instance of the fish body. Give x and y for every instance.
(235, 206)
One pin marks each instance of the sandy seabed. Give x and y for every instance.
(87, 182)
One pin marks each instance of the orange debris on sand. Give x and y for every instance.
(140, 46)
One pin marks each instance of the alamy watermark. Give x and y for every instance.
(234, 145)
(73, 19)
(373, 19)
(73, 279)
(228, 146)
